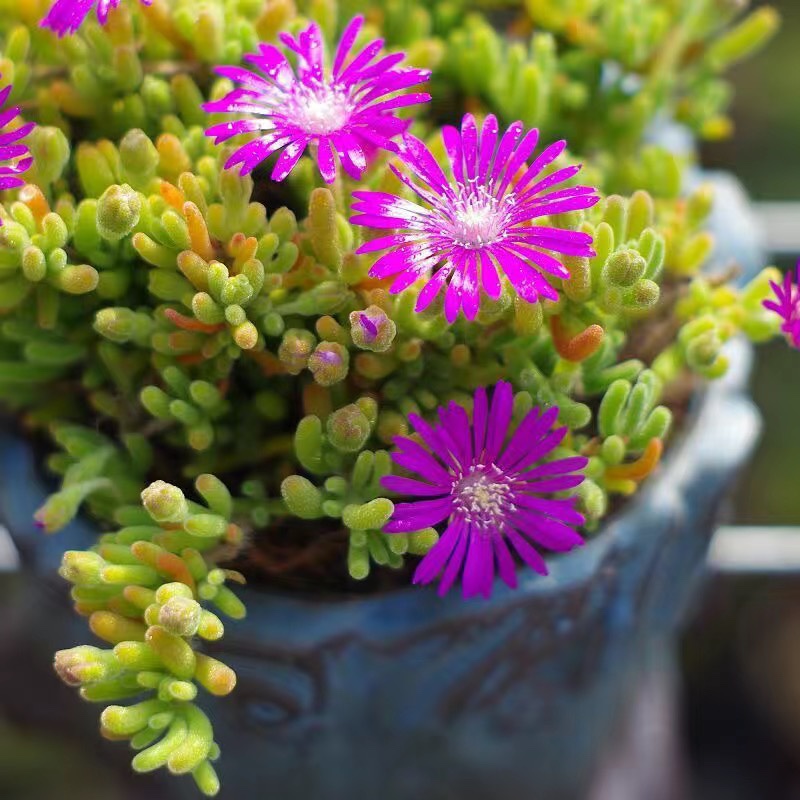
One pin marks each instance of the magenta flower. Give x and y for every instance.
(346, 112)
(787, 306)
(488, 491)
(66, 16)
(479, 221)
(15, 157)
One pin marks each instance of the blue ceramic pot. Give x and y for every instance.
(407, 695)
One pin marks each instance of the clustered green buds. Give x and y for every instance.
(145, 590)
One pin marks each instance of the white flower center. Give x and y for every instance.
(478, 218)
(484, 497)
(319, 109)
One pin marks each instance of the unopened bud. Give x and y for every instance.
(645, 294)
(372, 329)
(329, 363)
(295, 350)
(624, 268)
(180, 616)
(83, 664)
(348, 428)
(118, 211)
(165, 502)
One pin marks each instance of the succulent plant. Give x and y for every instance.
(270, 317)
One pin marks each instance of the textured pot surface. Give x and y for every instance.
(409, 695)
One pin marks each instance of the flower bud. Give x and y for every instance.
(624, 268)
(118, 211)
(645, 294)
(295, 350)
(83, 664)
(165, 502)
(372, 330)
(329, 363)
(348, 428)
(181, 616)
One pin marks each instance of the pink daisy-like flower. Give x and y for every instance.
(477, 222)
(787, 305)
(15, 157)
(66, 16)
(345, 112)
(492, 494)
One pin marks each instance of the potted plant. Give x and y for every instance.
(299, 316)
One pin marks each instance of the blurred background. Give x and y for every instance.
(740, 670)
(741, 653)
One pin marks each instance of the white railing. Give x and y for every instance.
(780, 225)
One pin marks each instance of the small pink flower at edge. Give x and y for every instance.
(15, 157)
(66, 16)
(787, 305)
